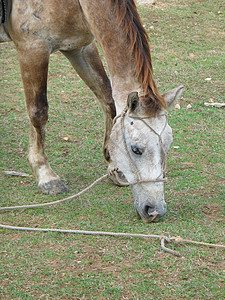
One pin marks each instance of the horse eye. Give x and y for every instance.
(136, 150)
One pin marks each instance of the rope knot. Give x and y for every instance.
(177, 239)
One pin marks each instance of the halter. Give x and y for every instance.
(134, 168)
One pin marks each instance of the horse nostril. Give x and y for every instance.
(148, 208)
(151, 212)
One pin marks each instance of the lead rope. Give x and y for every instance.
(84, 232)
(162, 238)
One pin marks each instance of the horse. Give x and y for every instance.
(137, 135)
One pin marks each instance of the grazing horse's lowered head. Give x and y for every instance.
(138, 147)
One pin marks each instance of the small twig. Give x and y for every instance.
(14, 173)
(215, 104)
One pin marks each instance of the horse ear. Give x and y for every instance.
(132, 101)
(174, 94)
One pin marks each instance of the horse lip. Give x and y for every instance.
(153, 219)
(148, 220)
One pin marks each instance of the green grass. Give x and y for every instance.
(63, 266)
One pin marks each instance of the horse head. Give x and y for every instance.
(138, 147)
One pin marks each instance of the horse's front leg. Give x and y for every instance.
(34, 72)
(87, 63)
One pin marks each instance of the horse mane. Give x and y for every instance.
(129, 19)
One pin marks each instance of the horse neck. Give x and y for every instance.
(123, 80)
(122, 67)
(104, 23)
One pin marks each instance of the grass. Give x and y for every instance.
(61, 266)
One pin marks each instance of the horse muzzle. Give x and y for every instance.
(149, 213)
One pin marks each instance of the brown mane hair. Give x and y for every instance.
(128, 17)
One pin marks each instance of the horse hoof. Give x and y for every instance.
(53, 187)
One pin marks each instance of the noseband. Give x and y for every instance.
(134, 168)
